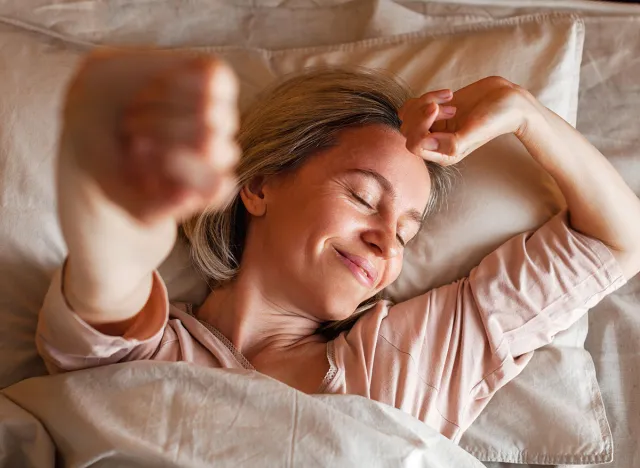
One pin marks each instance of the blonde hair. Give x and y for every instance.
(287, 124)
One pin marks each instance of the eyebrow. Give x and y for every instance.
(413, 215)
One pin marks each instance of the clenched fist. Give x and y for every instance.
(155, 130)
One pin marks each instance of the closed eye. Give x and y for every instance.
(363, 202)
(360, 200)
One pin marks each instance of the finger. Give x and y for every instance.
(416, 132)
(184, 99)
(193, 172)
(203, 92)
(221, 153)
(420, 120)
(442, 148)
(156, 196)
(156, 174)
(171, 134)
(468, 138)
(447, 148)
(200, 77)
(441, 96)
(160, 117)
(439, 158)
(445, 112)
(147, 157)
(213, 76)
(446, 144)
(168, 131)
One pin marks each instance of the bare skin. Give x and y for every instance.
(143, 159)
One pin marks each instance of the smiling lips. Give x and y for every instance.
(361, 268)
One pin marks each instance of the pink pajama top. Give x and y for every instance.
(439, 356)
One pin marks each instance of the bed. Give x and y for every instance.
(33, 431)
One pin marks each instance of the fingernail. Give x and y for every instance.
(448, 110)
(430, 144)
(444, 93)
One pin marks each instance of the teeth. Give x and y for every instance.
(363, 271)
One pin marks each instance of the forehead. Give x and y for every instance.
(383, 150)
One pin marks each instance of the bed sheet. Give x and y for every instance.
(609, 112)
(150, 415)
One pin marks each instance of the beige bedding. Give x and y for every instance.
(133, 416)
(609, 105)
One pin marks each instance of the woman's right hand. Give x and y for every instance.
(147, 140)
(155, 130)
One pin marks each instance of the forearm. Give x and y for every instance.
(600, 203)
(108, 275)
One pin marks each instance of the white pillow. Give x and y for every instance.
(501, 184)
(34, 69)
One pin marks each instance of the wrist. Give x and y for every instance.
(530, 116)
(101, 299)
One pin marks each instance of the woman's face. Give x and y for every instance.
(333, 232)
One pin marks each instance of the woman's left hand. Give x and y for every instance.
(475, 115)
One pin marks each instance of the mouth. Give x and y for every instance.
(360, 267)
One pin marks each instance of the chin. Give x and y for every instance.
(335, 312)
(337, 305)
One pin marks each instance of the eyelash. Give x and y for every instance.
(362, 201)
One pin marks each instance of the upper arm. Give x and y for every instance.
(538, 284)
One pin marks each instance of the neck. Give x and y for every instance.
(256, 322)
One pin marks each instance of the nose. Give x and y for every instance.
(383, 241)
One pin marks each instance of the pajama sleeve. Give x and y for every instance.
(66, 342)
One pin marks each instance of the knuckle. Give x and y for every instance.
(429, 108)
(498, 81)
(426, 99)
(503, 83)
(454, 147)
(223, 153)
(221, 117)
(222, 79)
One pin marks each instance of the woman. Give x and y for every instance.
(309, 225)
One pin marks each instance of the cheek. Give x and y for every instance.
(299, 220)
(323, 212)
